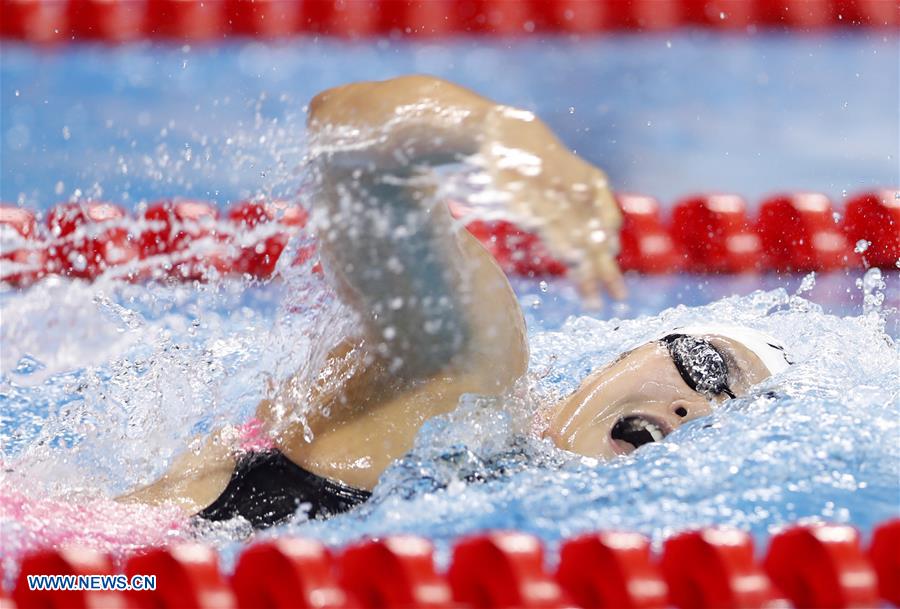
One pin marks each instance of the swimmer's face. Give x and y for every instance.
(651, 391)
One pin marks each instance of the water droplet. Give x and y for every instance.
(807, 284)
(543, 286)
(571, 109)
(28, 365)
(861, 246)
(668, 44)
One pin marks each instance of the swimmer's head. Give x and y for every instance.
(650, 391)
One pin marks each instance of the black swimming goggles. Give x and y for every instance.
(699, 363)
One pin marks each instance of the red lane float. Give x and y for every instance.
(646, 246)
(193, 20)
(518, 252)
(503, 570)
(867, 12)
(716, 235)
(732, 15)
(257, 258)
(88, 239)
(22, 259)
(885, 556)
(650, 15)
(172, 225)
(262, 18)
(187, 231)
(710, 234)
(818, 566)
(428, 19)
(113, 21)
(34, 21)
(875, 217)
(715, 569)
(799, 232)
(394, 572)
(611, 570)
(187, 575)
(822, 567)
(499, 17)
(6, 602)
(270, 227)
(45, 21)
(66, 562)
(800, 14)
(287, 574)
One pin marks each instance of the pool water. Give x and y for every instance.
(102, 384)
(665, 114)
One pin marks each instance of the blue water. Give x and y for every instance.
(665, 114)
(102, 384)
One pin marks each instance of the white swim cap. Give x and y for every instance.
(768, 349)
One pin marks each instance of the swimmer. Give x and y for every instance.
(437, 316)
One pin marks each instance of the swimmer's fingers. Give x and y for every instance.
(588, 289)
(606, 266)
(599, 272)
(610, 274)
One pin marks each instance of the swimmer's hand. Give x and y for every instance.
(415, 121)
(564, 198)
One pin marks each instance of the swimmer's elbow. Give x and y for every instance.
(373, 103)
(319, 110)
(315, 107)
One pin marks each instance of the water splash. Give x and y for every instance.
(179, 361)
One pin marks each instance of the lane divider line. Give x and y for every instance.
(187, 240)
(813, 565)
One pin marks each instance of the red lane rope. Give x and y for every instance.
(188, 241)
(822, 565)
(46, 21)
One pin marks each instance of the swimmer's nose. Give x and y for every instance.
(685, 411)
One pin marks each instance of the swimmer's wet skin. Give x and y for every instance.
(437, 316)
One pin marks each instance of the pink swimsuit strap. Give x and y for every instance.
(252, 437)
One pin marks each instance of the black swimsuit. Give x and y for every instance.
(267, 488)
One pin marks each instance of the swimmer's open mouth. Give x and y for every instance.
(638, 430)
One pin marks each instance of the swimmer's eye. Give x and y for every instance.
(699, 363)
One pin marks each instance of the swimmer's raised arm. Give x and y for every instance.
(427, 294)
(408, 123)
